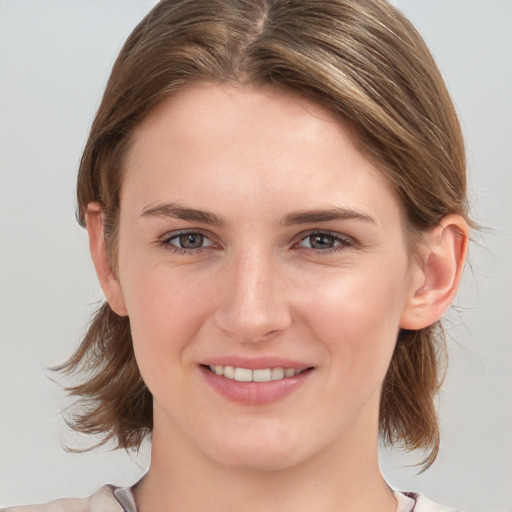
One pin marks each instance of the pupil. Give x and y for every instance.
(191, 241)
(321, 241)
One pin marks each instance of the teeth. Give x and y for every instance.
(243, 375)
(289, 372)
(277, 373)
(260, 375)
(229, 372)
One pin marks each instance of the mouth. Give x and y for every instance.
(255, 386)
(259, 375)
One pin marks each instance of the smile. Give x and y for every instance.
(263, 385)
(248, 375)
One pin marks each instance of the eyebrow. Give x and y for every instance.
(183, 213)
(308, 216)
(301, 217)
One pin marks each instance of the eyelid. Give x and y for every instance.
(165, 240)
(346, 241)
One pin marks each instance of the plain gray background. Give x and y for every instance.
(55, 56)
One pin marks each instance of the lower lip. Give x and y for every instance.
(254, 393)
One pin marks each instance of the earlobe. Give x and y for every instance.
(435, 284)
(108, 280)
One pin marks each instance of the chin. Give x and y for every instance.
(263, 461)
(252, 454)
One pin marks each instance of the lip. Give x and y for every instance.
(255, 363)
(255, 393)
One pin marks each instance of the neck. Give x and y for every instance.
(345, 477)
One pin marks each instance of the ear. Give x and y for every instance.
(108, 280)
(436, 278)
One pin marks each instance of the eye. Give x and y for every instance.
(188, 241)
(324, 241)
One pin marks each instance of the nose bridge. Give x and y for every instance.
(255, 305)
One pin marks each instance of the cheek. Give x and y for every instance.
(166, 312)
(356, 316)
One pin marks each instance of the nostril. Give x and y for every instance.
(252, 328)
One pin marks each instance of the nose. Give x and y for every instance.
(254, 305)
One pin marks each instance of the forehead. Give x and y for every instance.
(202, 110)
(271, 147)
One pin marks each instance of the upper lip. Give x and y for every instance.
(255, 363)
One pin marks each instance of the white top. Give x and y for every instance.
(116, 499)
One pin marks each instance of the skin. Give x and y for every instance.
(263, 281)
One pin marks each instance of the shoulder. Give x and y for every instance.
(101, 501)
(419, 503)
(423, 504)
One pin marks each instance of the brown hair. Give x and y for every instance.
(360, 59)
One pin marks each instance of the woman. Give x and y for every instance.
(275, 199)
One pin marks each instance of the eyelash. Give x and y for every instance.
(343, 242)
(168, 238)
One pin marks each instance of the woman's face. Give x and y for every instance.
(257, 242)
